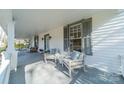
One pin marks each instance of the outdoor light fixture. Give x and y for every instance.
(50, 37)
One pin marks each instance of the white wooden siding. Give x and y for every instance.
(107, 41)
(57, 38)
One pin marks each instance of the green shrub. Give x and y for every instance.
(20, 46)
(2, 49)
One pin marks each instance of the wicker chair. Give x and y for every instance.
(51, 55)
(72, 64)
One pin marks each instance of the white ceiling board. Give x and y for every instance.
(32, 21)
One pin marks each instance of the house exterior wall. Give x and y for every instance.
(56, 41)
(107, 41)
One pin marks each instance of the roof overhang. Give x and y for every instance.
(32, 21)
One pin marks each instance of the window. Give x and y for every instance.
(77, 36)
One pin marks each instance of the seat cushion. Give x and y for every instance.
(48, 56)
(72, 63)
(75, 55)
(53, 51)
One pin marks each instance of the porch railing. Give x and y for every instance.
(5, 69)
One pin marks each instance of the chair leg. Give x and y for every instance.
(84, 68)
(55, 60)
(45, 60)
(62, 64)
(70, 73)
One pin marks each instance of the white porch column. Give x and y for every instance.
(11, 49)
(11, 36)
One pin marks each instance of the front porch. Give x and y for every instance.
(96, 34)
(32, 69)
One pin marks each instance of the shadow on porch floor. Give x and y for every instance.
(32, 70)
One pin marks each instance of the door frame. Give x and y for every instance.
(45, 41)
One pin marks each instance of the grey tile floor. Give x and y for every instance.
(32, 70)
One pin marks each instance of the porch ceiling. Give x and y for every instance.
(29, 22)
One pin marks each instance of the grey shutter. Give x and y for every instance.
(87, 29)
(66, 38)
